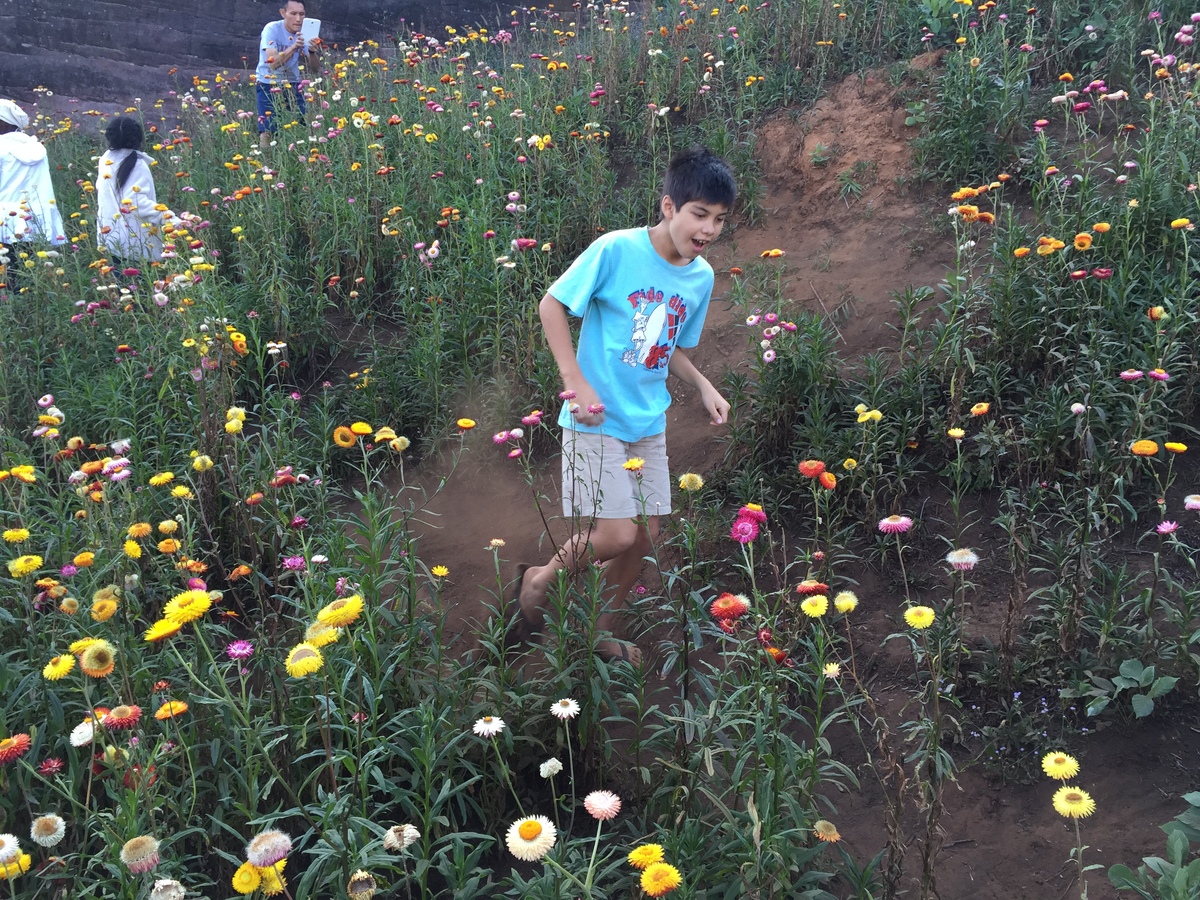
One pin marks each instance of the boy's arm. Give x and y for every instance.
(558, 336)
(682, 367)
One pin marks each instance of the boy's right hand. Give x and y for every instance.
(588, 408)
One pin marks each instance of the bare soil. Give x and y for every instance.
(845, 252)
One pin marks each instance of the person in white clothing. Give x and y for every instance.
(129, 218)
(28, 210)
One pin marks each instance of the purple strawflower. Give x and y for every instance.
(68, 570)
(240, 650)
(294, 564)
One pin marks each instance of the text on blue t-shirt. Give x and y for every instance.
(636, 309)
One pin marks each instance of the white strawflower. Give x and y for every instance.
(167, 889)
(83, 734)
(400, 837)
(564, 709)
(550, 768)
(10, 848)
(489, 726)
(48, 830)
(531, 838)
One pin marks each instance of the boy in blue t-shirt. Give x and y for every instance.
(642, 294)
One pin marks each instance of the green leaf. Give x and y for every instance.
(1142, 705)
(1097, 706)
(1132, 668)
(1162, 686)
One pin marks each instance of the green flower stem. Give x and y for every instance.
(507, 779)
(591, 872)
(570, 876)
(243, 720)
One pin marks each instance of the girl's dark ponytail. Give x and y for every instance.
(124, 133)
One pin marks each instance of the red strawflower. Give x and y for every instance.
(812, 586)
(122, 717)
(729, 626)
(777, 654)
(51, 766)
(13, 748)
(811, 468)
(729, 606)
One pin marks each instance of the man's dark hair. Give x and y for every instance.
(699, 174)
(287, 3)
(124, 133)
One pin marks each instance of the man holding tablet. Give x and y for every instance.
(280, 49)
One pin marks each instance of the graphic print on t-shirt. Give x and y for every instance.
(655, 325)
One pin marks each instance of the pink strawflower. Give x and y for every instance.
(1167, 527)
(602, 805)
(500, 437)
(1158, 375)
(895, 524)
(963, 560)
(268, 848)
(1192, 502)
(294, 564)
(1131, 374)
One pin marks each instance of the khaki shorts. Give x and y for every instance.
(596, 484)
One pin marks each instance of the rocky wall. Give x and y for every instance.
(115, 50)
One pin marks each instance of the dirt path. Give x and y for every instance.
(845, 252)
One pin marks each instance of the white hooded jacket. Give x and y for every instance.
(28, 210)
(128, 226)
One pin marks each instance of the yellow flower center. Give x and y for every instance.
(529, 830)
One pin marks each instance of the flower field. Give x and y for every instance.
(237, 660)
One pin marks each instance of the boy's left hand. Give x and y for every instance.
(717, 406)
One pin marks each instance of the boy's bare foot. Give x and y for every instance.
(616, 651)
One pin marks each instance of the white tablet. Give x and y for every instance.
(310, 30)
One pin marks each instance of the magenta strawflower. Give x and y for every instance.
(294, 564)
(754, 512)
(895, 524)
(1167, 527)
(744, 531)
(239, 650)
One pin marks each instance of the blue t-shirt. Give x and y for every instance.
(636, 309)
(275, 38)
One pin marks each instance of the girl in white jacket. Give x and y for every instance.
(129, 219)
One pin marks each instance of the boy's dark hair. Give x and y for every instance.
(124, 133)
(699, 174)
